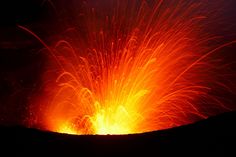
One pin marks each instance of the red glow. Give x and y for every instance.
(140, 68)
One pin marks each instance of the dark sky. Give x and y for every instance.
(20, 62)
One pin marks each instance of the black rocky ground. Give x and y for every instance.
(210, 137)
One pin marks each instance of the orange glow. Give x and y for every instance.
(140, 68)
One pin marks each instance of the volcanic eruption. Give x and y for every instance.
(132, 67)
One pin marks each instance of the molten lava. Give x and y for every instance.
(136, 68)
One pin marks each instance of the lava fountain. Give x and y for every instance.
(137, 66)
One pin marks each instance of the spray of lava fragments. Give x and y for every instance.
(138, 67)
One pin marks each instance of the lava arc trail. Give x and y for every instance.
(136, 67)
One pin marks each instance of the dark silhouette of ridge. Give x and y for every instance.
(212, 136)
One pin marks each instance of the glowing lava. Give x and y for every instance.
(137, 68)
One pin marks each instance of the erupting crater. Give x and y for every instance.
(136, 67)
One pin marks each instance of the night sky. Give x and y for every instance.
(21, 63)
